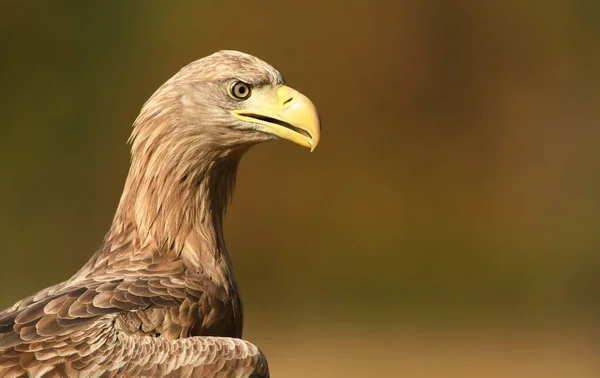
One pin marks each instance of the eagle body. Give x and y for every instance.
(159, 298)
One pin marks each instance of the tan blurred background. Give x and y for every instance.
(447, 225)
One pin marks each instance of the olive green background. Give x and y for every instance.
(447, 224)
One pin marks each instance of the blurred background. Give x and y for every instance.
(449, 222)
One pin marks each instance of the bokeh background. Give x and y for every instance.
(447, 225)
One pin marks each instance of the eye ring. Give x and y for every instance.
(240, 90)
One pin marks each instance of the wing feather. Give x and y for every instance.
(71, 330)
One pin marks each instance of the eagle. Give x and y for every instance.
(159, 298)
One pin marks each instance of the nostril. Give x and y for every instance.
(286, 102)
(286, 96)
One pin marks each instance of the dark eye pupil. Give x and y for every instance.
(242, 90)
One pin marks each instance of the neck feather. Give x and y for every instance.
(180, 211)
(181, 180)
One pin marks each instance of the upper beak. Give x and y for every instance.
(285, 113)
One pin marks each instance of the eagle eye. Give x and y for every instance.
(239, 90)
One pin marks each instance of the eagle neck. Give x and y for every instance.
(176, 215)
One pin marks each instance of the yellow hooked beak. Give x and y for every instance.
(284, 112)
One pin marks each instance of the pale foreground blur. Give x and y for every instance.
(492, 353)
